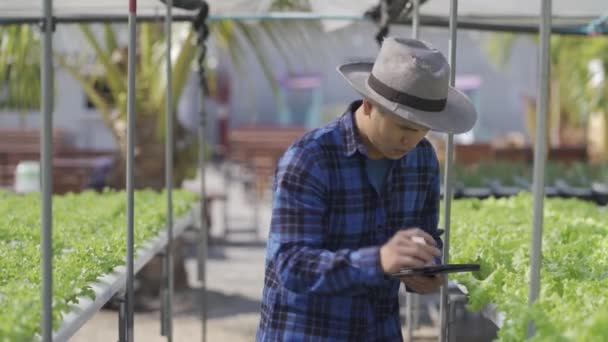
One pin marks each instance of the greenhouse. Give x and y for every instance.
(147, 190)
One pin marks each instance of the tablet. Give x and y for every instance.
(437, 269)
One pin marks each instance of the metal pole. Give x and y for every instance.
(46, 153)
(167, 322)
(200, 24)
(539, 155)
(416, 20)
(122, 336)
(202, 261)
(130, 163)
(447, 192)
(77, 18)
(409, 297)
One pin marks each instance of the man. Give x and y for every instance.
(353, 199)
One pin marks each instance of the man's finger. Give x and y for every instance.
(418, 252)
(411, 232)
(417, 240)
(415, 248)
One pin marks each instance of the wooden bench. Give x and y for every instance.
(473, 153)
(566, 154)
(20, 145)
(71, 167)
(259, 148)
(15, 140)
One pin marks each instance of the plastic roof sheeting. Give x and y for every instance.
(573, 14)
(90, 10)
(569, 16)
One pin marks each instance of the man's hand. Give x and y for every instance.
(402, 251)
(423, 284)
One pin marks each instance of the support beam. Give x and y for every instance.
(448, 188)
(540, 155)
(130, 295)
(46, 154)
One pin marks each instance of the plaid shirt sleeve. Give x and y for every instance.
(298, 226)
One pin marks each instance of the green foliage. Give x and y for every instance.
(290, 5)
(480, 174)
(575, 174)
(498, 47)
(570, 56)
(89, 240)
(19, 67)
(151, 83)
(573, 298)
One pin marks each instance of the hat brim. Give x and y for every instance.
(458, 116)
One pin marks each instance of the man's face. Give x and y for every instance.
(392, 136)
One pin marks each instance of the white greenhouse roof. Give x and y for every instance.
(518, 15)
(514, 15)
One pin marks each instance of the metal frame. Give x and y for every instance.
(540, 154)
(412, 299)
(539, 166)
(202, 256)
(167, 279)
(483, 24)
(112, 283)
(444, 308)
(538, 188)
(49, 20)
(130, 294)
(46, 154)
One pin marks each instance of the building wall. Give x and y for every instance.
(85, 125)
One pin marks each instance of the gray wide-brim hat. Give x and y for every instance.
(411, 80)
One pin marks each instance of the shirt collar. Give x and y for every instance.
(350, 134)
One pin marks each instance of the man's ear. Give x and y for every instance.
(367, 107)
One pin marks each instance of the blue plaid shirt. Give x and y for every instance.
(323, 279)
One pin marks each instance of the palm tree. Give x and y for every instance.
(236, 38)
(597, 93)
(111, 100)
(19, 69)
